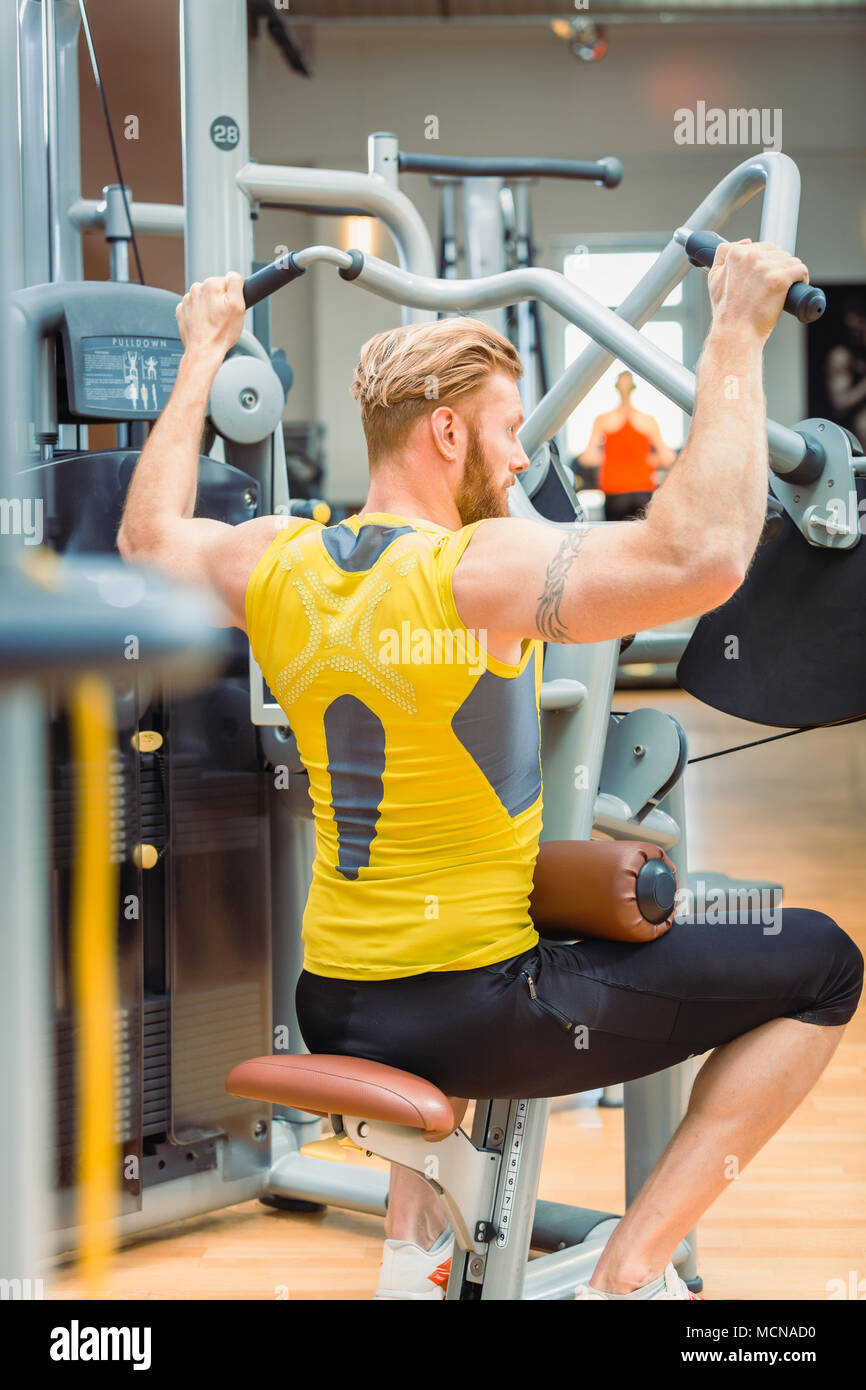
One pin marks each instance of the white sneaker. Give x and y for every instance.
(408, 1272)
(673, 1288)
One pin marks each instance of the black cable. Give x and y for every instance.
(540, 355)
(804, 729)
(441, 243)
(281, 34)
(98, 80)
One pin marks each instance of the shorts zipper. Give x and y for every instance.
(547, 1008)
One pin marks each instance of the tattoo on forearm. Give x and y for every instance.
(547, 618)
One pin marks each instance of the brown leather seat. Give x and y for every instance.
(331, 1085)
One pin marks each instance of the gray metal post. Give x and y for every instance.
(118, 232)
(215, 137)
(293, 849)
(26, 1089)
(573, 740)
(26, 1083)
(525, 331)
(50, 141)
(448, 212)
(483, 251)
(523, 1151)
(67, 26)
(34, 165)
(572, 749)
(383, 155)
(49, 165)
(49, 108)
(383, 150)
(654, 1105)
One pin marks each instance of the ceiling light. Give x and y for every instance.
(586, 39)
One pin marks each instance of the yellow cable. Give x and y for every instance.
(94, 978)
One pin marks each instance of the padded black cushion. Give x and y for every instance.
(800, 621)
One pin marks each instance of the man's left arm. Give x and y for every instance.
(158, 527)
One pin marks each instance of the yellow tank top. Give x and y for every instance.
(423, 752)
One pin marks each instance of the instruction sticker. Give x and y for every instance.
(129, 375)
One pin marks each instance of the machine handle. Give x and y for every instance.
(806, 302)
(606, 171)
(271, 277)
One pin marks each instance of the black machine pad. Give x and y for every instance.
(800, 623)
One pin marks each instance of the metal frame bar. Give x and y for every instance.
(375, 193)
(616, 334)
(158, 219)
(463, 1174)
(491, 1176)
(779, 178)
(218, 226)
(740, 12)
(26, 1088)
(686, 313)
(49, 169)
(51, 135)
(282, 184)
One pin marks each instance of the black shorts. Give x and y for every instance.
(565, 1018)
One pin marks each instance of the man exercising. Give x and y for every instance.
(405, 645)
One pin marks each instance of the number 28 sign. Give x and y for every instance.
(225, 132)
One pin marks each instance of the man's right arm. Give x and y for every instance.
(693, 550)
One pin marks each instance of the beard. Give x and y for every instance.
(478, 498)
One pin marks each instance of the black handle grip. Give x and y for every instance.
(774, 520)
(272, 277)
(606, 171)
(806, 302)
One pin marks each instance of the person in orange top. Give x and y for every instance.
(629, 447)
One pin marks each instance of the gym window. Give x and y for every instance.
(609, 269)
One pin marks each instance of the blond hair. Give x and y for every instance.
(408, 372)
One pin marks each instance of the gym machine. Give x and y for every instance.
(194, 956)
(60, 621)
(497, 233)
(495, 195)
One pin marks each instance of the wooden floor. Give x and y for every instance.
(793, 811)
